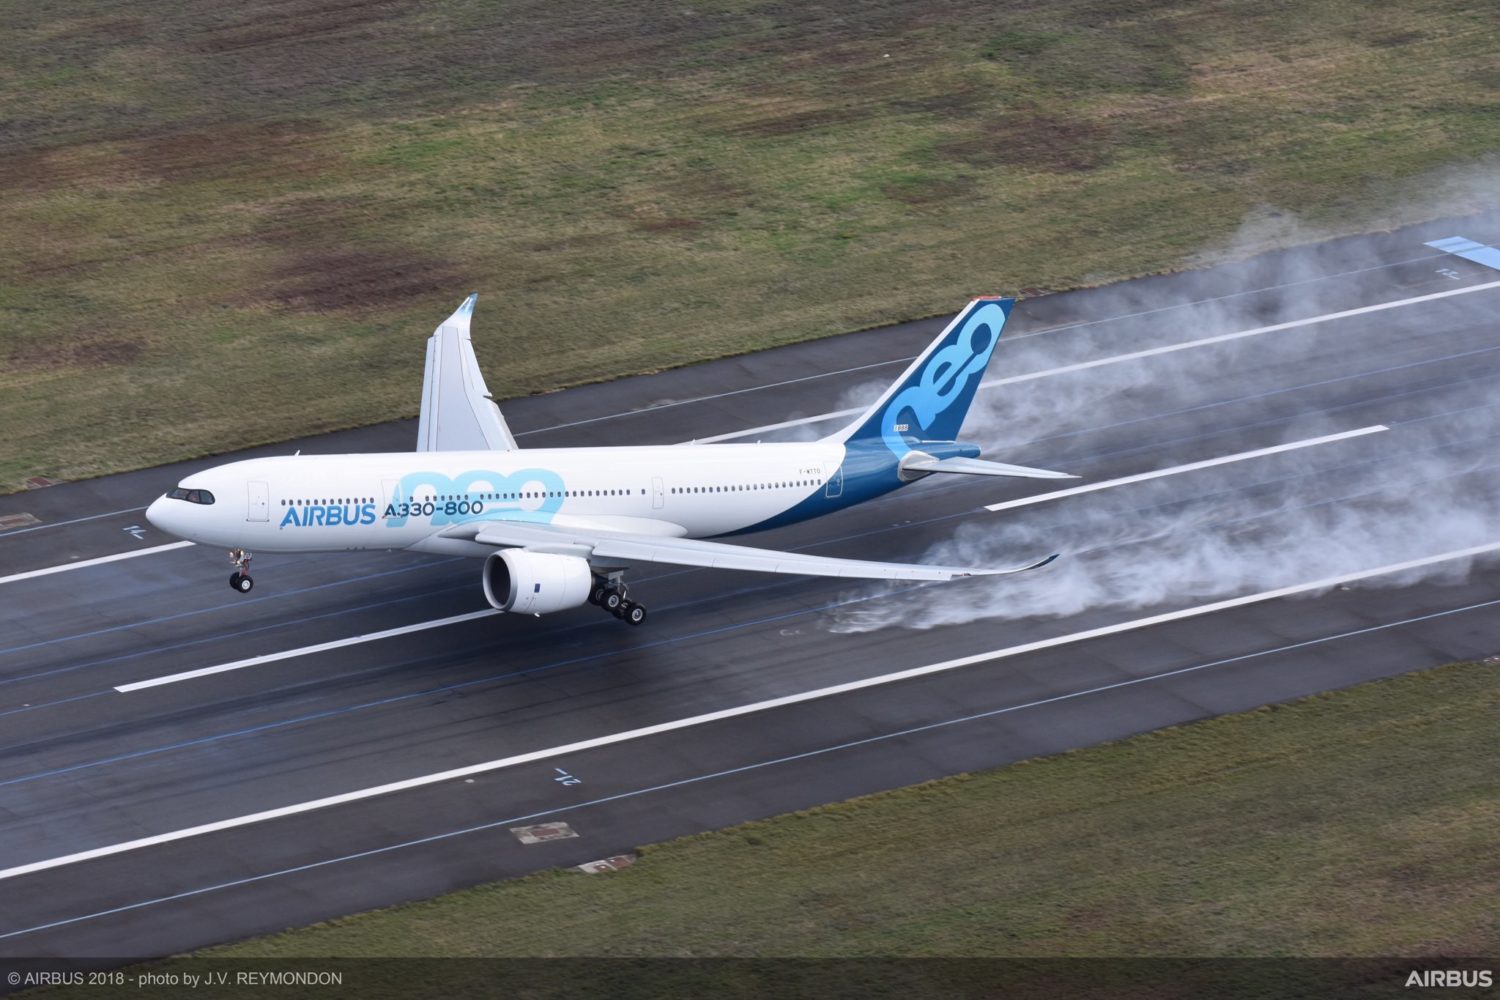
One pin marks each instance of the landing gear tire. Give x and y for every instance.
(609, 594)
(240, 578)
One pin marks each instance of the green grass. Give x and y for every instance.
(1360, 822)
(226, 225)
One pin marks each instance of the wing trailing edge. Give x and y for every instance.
(621, 548)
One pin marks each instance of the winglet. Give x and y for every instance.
(1015, 569)
(457, 411)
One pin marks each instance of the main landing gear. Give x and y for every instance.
(611, 595)
(240, 578)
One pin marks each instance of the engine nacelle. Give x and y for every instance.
(535, 583)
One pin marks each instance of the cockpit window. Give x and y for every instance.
(191, 496)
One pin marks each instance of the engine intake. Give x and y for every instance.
(535, 583)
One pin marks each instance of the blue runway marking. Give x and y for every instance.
(1462, 246)
(729, 772)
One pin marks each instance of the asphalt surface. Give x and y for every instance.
(85, 767)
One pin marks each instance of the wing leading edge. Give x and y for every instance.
(612, 548)
(457, 411)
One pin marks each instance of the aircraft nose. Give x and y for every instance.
(159, 514)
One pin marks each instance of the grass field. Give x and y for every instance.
(1360, 822)
(232, 224)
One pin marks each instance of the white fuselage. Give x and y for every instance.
(408, 500)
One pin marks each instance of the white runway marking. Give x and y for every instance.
(288, 654)
(1132, 356)
(1185, 304)
(728, 713)
(76, 520)
(1190, 467)
(82, 563)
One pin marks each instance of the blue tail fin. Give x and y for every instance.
(929, 402)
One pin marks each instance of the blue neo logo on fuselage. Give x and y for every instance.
(526, 495)
(944, 382)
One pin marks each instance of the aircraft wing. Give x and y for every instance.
(457, 411)
(613, 548)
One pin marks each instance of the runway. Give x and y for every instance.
(181, 765)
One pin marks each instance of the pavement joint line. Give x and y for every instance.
(1207, 463)
(729, 713)
(287, 654)
(1114, 359)
(83, 563)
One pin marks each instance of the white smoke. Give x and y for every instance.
(1430, 485)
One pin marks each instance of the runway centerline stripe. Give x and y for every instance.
(1207, 463)
(730, 713)
(83, 563)
(287, 654)
(1115, 359)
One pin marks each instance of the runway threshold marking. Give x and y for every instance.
(353, 640)
(82, 563)
(1132, 356)
(1207, 463)
(729, 713)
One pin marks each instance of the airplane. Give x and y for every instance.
(558, 527)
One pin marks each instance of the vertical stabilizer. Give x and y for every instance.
(929, 401)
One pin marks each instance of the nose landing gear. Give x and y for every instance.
(611, 595)
(240, 578)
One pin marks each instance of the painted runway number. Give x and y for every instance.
(564, 778)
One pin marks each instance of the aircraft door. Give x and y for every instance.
(259, 505)
(658, 495)
(835, 486)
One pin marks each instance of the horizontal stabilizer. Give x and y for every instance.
(917, 462)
